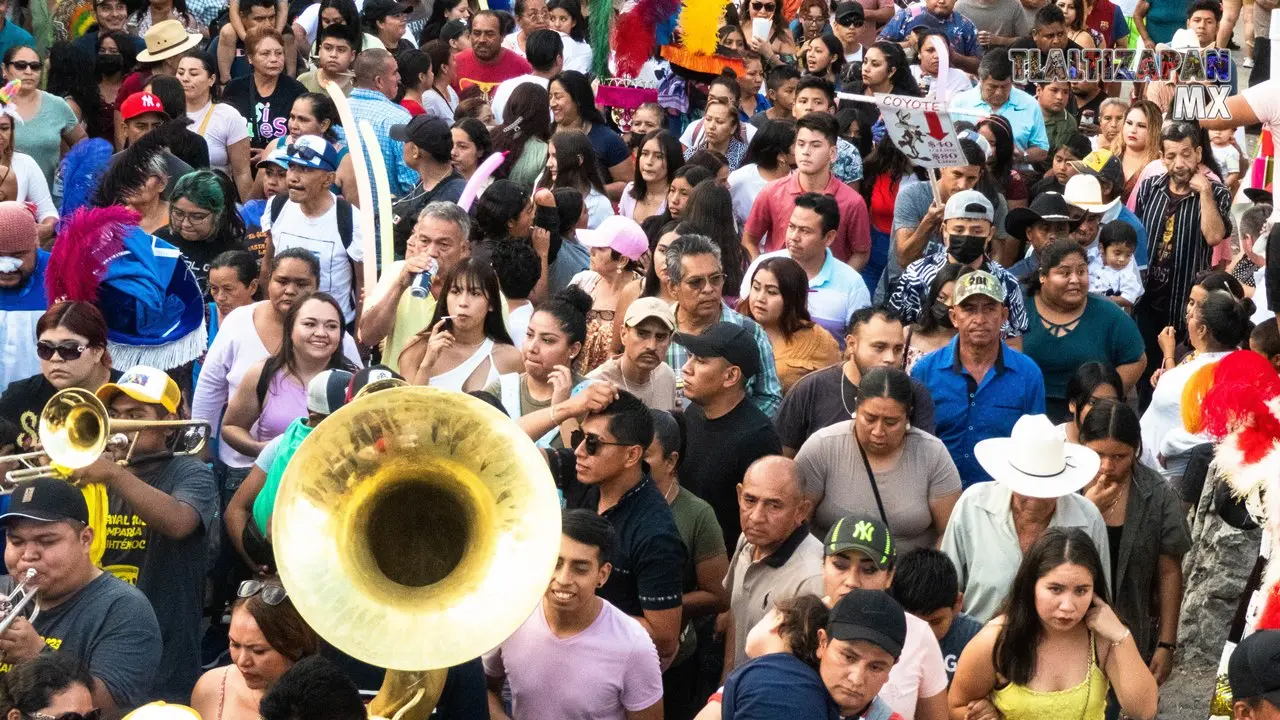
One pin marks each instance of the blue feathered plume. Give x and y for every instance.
(82, 168)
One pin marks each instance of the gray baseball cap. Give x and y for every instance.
(969, 205)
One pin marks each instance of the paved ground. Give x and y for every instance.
(1186, 695)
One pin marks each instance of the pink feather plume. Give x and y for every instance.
(79, 259)
(636, 31)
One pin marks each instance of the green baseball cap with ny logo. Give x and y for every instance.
(866, 535)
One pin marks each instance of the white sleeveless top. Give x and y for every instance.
(455, 378)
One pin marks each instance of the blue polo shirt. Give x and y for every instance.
(835, 293)
(1021, 110)
(12, 35)
(968, 411)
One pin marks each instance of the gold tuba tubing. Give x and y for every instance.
(415, 529)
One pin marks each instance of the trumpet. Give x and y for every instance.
(75, 430)
(17, 601)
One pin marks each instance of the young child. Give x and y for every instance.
(1112, 273)
(780, 91)
(1244, 266)
(231, 37)
(926, 585)
(1228, 156)
(1055, 180)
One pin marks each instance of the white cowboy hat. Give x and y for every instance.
(1085, 192)
(1037, 461)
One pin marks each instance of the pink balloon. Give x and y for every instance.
(481, 176)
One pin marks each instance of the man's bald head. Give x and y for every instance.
(771, 501)
(372, 68)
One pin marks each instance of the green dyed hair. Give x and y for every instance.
(203, 188)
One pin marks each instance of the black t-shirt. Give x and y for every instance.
(268, 116)
(169, 572)
(826, 397)
(405, 210)
(648, 555)
(198, 255)
(110, 626)
(23, 400)
(1088, 113)
(717, 455)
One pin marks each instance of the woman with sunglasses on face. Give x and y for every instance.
(53, 686)
(779, 46)
(71, 342)
(48, 123)
(267, 637)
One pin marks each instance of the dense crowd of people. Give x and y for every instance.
(835, 435)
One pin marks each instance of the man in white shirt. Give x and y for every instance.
(310, 216)
(836, 290)
(545, 52)
(640, 369)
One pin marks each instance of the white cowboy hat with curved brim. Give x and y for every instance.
(166, 39)
(1037, 461)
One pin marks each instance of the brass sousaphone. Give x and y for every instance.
(415, 529)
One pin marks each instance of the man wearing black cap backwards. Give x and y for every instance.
(860, 645)
(97, 617)
(1254, 674)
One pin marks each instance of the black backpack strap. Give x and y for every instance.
(264, 384)
(277, 206)
(346, 220)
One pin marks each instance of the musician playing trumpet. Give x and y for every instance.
(103, 621)
(160, 507)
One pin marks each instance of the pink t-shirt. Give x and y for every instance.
(918, 673)
(602, 673)
(771, 212)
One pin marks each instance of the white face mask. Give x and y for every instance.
(9, 264)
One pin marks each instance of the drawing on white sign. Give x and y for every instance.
(924, 134)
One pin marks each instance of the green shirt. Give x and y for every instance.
(703, 539)
(1059, 127)
(1103, 333)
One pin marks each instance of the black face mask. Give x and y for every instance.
(941, 313)
(966, 248)
(110, 64)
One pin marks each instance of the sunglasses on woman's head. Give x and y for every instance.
(91, 715)
(272, 594)
(69, 350)
(591, 442)
(26, 64)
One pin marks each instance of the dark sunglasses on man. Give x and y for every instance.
(849, 21)
(272, 594)
(91, 715)
(68, 350)
(591, 442)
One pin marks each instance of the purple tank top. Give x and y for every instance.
(285, 402)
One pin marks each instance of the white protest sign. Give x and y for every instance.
(922, 130)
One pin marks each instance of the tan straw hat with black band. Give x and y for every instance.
(166, 39)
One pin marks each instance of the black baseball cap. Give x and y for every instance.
(453, 29)
(866, 535)
(850, 13)
(1254, 668)
(428, 132)
(375, 10)
(731, 342)
(869, 615)
(47, 500)
(368, 376)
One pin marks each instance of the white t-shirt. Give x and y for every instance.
(1265, 101)
(518, 323)
(436, 105)
(33, 187)
(745, 184)
(577, 54)
(309, 20)
(500, 96)
(225, 128)
(320, 236)
(512, 43)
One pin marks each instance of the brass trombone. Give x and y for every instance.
(75, 430)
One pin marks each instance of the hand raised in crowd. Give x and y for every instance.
(932, 218)
(982, 710)
(20, 641)
(1168, 341)
(593, 398)
(763, 48)
(103, 470)
(561, 379)
(1199, 182)
(417, 264)
(1102, 620)
(1103, 492)
(441, 339)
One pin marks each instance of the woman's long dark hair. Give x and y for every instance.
(1015, 651)
(574, 8)
(793, 286)
(576, 165)
(323, 109)
(524, 119)
(71, 75)
(496, 209)
(1227, 318)
(835, 69)
(885, 159)
(469, 274)
(672, 155)
(904, 83)
(1112, 420)
(652, 285)
(287, 358)
(948, 273)
(1051, 257)
(1085, 380)
(578, 88)
(710, 212)
(479, 135)
(31, 685)
(1002, 168)
(124, 44)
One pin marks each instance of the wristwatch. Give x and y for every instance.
(1167, 646)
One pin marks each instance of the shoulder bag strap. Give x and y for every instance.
(875, 488)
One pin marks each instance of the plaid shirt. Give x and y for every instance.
(381, 113)
(765, 390)
(913, 288)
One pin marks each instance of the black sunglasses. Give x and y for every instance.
(27, 64)
(592, 442)
(304, 152)
(91, 715)
(68, 351)
(763, 7)
(272, 594)
(849, 22)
